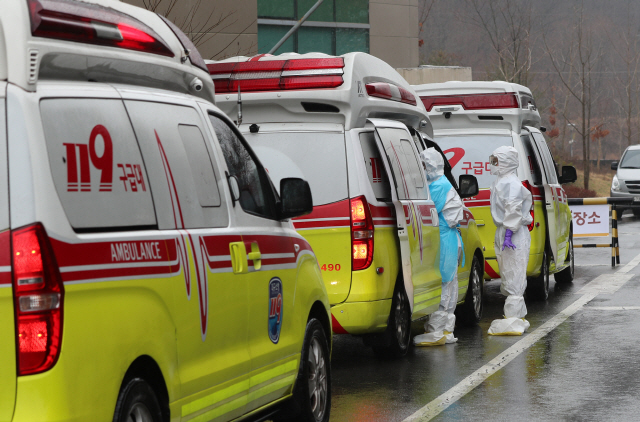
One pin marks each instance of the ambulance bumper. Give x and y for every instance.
(360, 317)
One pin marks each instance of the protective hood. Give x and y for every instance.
(507, 160)
(433, 164)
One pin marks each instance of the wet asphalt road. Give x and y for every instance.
(584, 369)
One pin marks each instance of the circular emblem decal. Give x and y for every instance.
(275, 309)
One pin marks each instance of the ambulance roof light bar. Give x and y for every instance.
(93, 24)
(473, 101)
(390, 92)
(275, 75)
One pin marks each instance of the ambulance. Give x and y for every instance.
(149, 270)
(472, 119)
(349, 126)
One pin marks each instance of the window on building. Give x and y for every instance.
(336, 27)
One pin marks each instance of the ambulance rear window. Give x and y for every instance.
(470, 154)
(96, 164)
(532, 159)
(317, 157)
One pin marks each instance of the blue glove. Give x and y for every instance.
(507, 240)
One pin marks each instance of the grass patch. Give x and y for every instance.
(600, 182)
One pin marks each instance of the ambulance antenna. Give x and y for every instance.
(239, 107)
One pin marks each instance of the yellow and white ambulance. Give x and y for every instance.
(149, 270)
(470, 120)
(347, 125)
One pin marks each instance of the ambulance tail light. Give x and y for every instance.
(390, 92)
(473, 101)
(277, 75)
(361, 233)
(93, 24)
(533, 216)
(38, 294)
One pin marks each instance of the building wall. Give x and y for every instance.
(336, 27)
(221, 28)
(387, 29)
(394, 31)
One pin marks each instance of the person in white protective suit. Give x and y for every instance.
(439, 326)
(510, 209)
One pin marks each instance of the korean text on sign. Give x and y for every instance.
(590, 220)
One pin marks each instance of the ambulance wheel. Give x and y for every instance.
(137, 402)
(538, 287)
(566, 275)
(394, 342)
(311, 401)
(470, 312)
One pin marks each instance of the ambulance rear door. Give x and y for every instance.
(417, 219)
(551, 195)
(7, 329)
(316, 153)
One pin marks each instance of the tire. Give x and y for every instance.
(394, 342)
(636, 213)
(311, 401)
(137, 402)
(470, 312)
(538, 287)
(566, 275)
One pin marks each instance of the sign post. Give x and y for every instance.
(590, 217)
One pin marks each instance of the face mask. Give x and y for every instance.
(494, 170)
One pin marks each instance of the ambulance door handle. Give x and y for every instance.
(255, 256)
(238, 253)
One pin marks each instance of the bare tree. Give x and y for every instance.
(200, 26)
(576, 64)
(627, 49)
(425, 11)
(507, 23)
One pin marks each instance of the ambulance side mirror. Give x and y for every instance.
(295, 198)
(468, 186)
(569, 175)
(614, 165)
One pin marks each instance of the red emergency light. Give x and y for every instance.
(390, 92)
(473, 101)
(275, 75)
(93, 24)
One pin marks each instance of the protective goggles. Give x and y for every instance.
(493, 160)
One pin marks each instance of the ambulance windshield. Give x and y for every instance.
(470, 154)
(317, 157)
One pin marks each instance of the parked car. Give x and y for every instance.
(472, 119)
(149, 270)
(347, 125)
(626, 181)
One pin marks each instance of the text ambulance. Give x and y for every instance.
(345, 124)
(148, 269)
(470, 120)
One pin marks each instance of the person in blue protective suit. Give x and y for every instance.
(510, 209)
(439, 326)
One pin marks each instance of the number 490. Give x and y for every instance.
(330, 267)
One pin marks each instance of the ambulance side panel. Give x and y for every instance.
(7, 328)
(118, 299)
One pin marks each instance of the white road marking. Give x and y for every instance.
(440, 403)
(612, 308)
(606, 283)
(630, 266)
